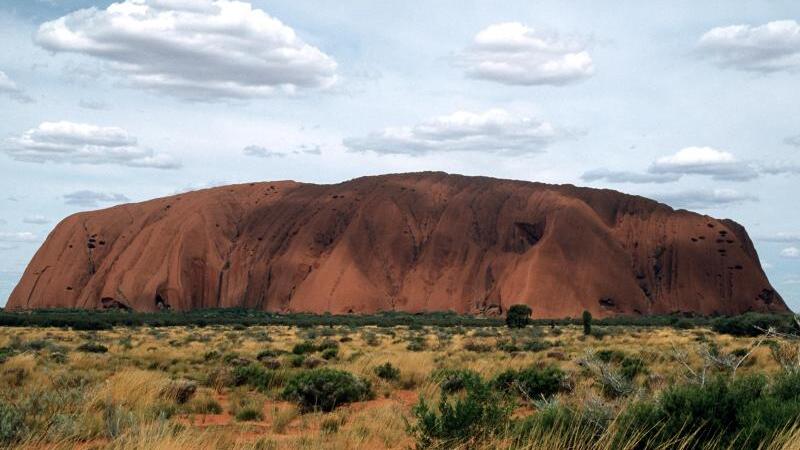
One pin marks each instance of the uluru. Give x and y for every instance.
(412, 242)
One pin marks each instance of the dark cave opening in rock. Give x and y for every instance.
(161, 304)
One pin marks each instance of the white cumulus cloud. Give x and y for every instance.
(259, 151)
(10, 89)
(793, 140)
(20, 236)
(772, 47)
(707, 161)
(262, 152)
(781, 237)
(199, 50)
(93, 198)
(492, 131)
(36, 220)
(78, 143)
(718, 164)
(704, 198)
(790, 252)
(624, 176)
(512, 53)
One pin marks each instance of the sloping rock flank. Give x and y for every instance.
(409, 242)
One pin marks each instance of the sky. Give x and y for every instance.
(695, 104)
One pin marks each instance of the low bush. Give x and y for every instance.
(249, 414)
(12, 426)
(477, 347)
(252, 375)
(92, 347)
(370, 338)
(417, 344)
(296, 360)
(573, 428)
(324, 389)
(330, 353)
(751, 324)
(631, 366)
(454, 380)
(58, 357)
(610, 356)
(536, 346)
(206, 405)
(312, 362)
(327, 344)
(7, 352)
(304, 347)
(231, 358)
(745, 413)
(462, 421)
(387, 371)
(532, 383)
(266, 354)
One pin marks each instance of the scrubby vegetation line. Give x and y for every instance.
(747, 324)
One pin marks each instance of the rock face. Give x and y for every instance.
(409, 242)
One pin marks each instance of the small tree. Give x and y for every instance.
(587, 323)
(518, 316)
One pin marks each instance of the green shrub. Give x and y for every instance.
(630, 366)
(230, 358)
(475, 417)
(58, 357)
(417, 344)
(304, 347)
(508, 346)
(330, 353)
(610, 356)
(207, 406)
(532, 383)
(11, 423)
(296, 360)
(36, 345)
(370, 338)
(327, 344)
(744, 413)
(92, 347)
(536, 346)
(587, 323)
(518, 316)
(324, 389)
(575, 427)
(252, 375)
(454, 380)
(476, 347)
(266, 354)
(748, 324)
(387, 371)
(249, 414)
(6, 352)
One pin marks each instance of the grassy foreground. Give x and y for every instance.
(343, 386)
